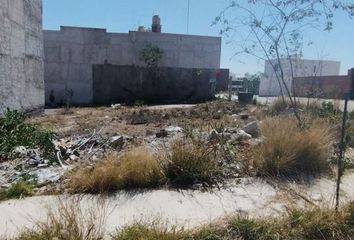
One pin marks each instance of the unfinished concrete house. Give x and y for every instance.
(269, 85)
(21, 55)
(72, 52)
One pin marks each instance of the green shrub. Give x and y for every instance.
(190, 162)
(151, 55)
(14, 132)
(349, 137)
(17, 190)
(149, 232)
(326, 110)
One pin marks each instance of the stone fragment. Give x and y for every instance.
(252, 128)
(117, 142)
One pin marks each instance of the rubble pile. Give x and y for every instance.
(218, 123)
(33, 164)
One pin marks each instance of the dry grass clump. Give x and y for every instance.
(289, 150)
(315, 223)
(321, 223)
(190, 162)
(135, 169)
(139, 231)
(69, 222)
(279, 106)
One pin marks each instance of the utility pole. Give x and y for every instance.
(189, 6)
(341, 151)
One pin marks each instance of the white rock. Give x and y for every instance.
(241, 135)
(73, 157)
(21, 150)
(42, 165)
(48, 175)
(173, 129)
(116, 106)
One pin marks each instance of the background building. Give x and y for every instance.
(71, 53)
(334, 87)
(21, 55)
(269, 85)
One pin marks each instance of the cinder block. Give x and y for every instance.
(16, 11)
(17, 40)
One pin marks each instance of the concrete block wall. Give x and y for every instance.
(157, 86)
(21, 55)
(333, 87)
(71, 52)
(269, 85)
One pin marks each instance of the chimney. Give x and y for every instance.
(156, 24)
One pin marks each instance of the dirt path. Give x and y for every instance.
(184, 208)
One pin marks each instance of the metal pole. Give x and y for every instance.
(189, 4)
(341, 150)
(230, 88)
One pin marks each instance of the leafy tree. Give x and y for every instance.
(151, 55)
(274, 30)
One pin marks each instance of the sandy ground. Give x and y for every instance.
(253, 197)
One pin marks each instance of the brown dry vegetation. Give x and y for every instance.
(69, 222)
(125, 120)
(189, 162)
(279, 106)
(314, 223)
(289, 150)
(135, 169)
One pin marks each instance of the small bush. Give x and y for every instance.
(68, 222)
(190, 162)
(17, 190)
(291, 151)
(15, 132)
(151, 55)
(135, 169)
(326, 110)
(349, 140)
(279, 106)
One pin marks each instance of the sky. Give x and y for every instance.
(123, 15)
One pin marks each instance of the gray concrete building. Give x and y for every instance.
(269, 85)
(71, 52)
(21, 55)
